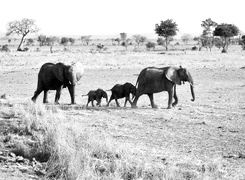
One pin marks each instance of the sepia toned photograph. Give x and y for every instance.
(122, 90)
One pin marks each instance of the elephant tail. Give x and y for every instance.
(84, 95)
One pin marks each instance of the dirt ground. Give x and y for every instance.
(210, 130)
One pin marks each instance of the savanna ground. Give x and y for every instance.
(204, 139)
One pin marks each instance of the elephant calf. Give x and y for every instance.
(120, 91)
(96, 95)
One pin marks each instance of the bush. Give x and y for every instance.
(194, 48)
(100, 46)
(150, 45)
(5, 48)
(64, 40)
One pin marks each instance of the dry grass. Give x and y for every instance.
(201, 140)
(75, 152)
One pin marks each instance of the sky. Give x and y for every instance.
(110, 17)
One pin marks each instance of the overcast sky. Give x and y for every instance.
(109, 17)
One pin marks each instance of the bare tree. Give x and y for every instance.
(23, 27)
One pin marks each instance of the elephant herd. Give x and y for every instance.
(150, 80)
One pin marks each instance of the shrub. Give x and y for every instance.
(194, 48)
(100, 46)
(64, 40)
(5, 48)
(150, 45)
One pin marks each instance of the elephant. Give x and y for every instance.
(120, 91)
(153, 80)
(56, 77)
(96, 95)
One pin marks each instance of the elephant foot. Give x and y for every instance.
(154, 106)
(56, 103)
(174, 104)
(33, 100)
(169, 107)
(134, 106)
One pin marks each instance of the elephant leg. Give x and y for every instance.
(71, 89)
(130, 100)
(92, 103)
(117, 102)
(88, 102)
(36, 93)
(170, 99)
(45, 96)
(99, 102)
(111, 98)
(175, 97)
(126, 99)
(150, 95)
(57, 95)
(134, 104)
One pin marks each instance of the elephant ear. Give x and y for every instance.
(172, 75)
(79, 69)
(99, 92)
(58, 71)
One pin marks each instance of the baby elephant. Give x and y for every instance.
(122, 90)
(96, 95)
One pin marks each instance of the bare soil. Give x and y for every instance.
(210, 130)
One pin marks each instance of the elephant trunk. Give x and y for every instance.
(72, 93)
(190, 80)
(192, 92)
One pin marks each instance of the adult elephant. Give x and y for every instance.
(56, 77)
(153, 80)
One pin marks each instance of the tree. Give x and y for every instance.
(30, 41)
(150, 45)
(124, 40)
(166, 29)
(72, 40)
(42, 40)
(208, 25)
(125, 43)
(50, 41)
(207, 38)
(86, 39)
(186, 38)
(23, 27)
(123, 36)
(64, 41)
(225, 32)
(139, 39)
(218, 42)
(161, 41)
(118, 40)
